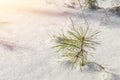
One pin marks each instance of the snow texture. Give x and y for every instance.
(25, 42)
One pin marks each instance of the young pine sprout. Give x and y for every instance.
(76, 44)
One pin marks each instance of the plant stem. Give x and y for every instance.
(82, 12)
(81, 53)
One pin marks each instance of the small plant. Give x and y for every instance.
(76, 44)
(92, 4)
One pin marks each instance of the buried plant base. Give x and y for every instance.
(115, 10)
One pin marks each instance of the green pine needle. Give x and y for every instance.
(76, 45)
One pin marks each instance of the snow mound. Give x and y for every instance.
(109, 76)
(92, 67)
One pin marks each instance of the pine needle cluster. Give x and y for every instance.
(76, 44)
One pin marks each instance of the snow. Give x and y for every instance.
(25, 44)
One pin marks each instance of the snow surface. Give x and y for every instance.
(25, 43)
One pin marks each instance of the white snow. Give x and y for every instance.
(25, 44)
